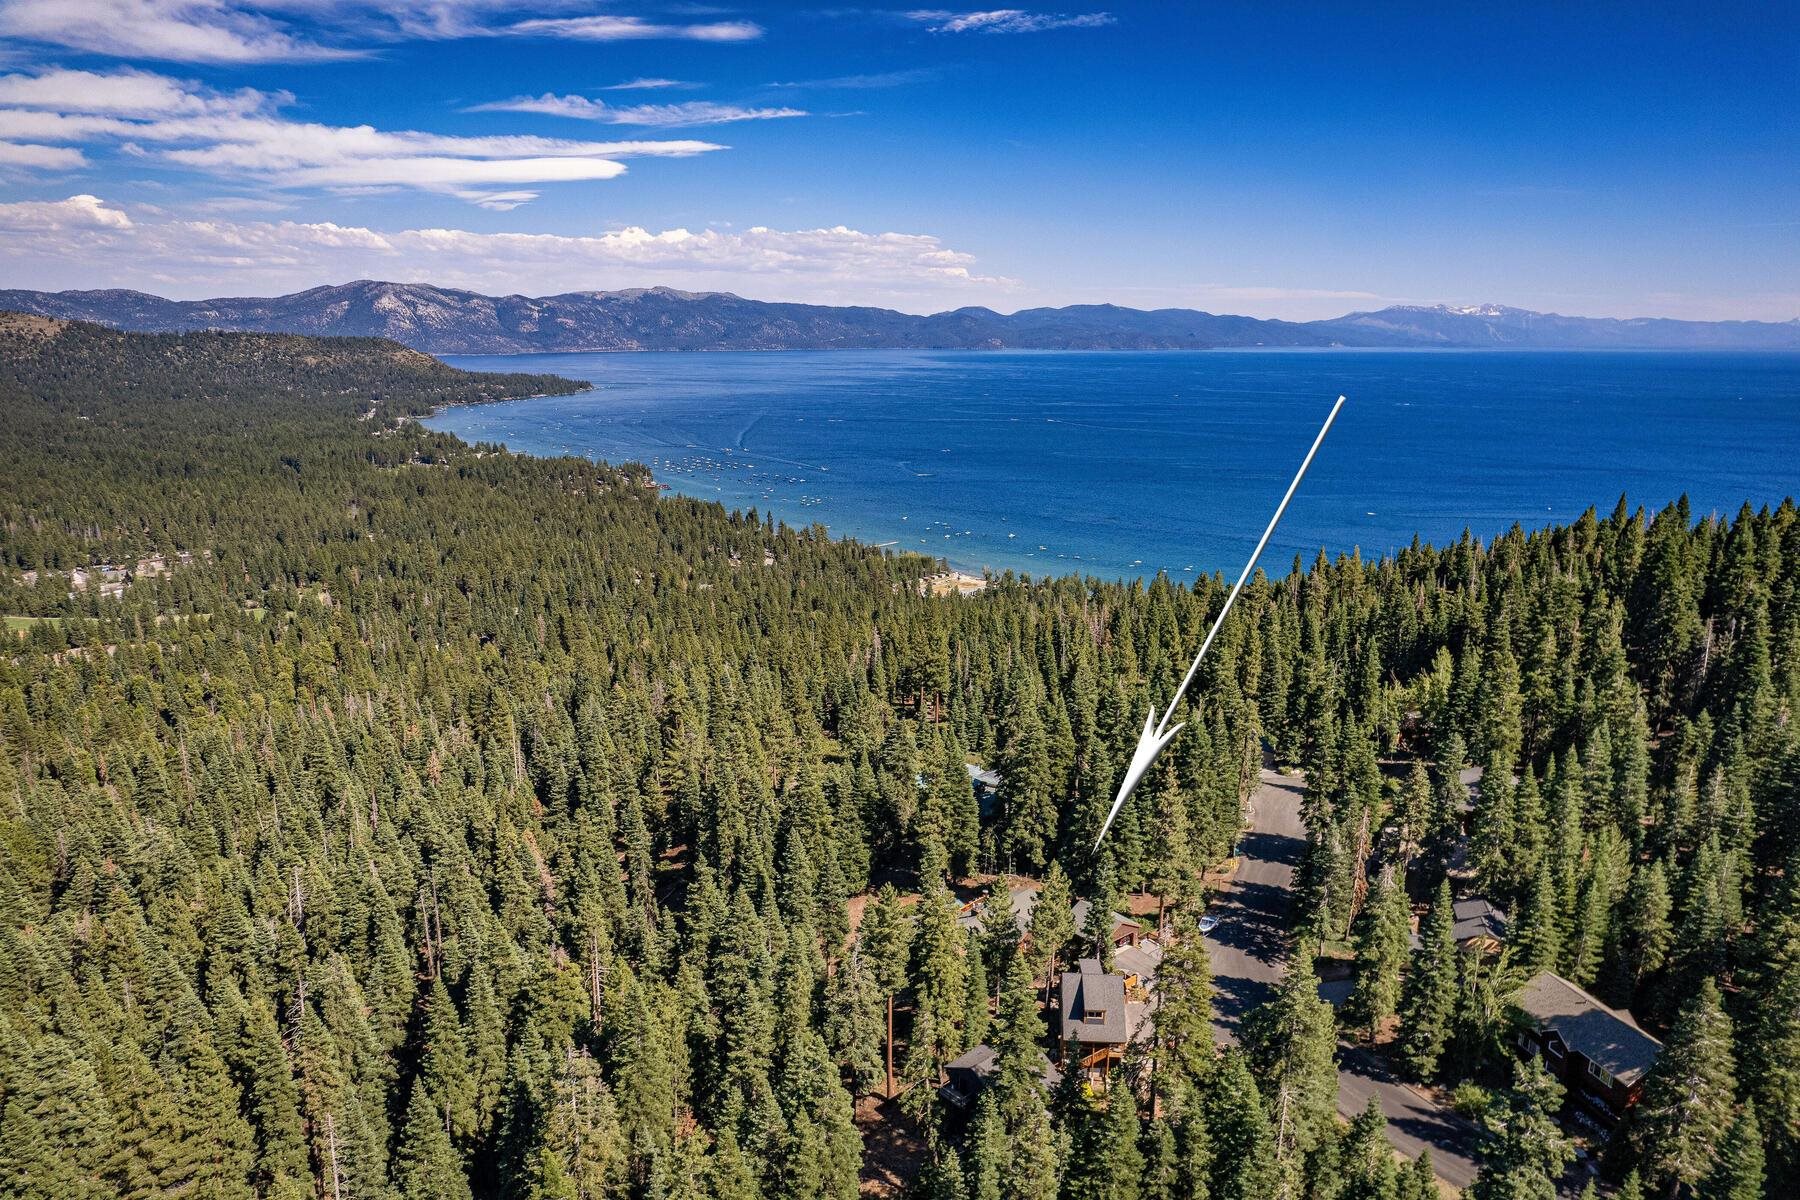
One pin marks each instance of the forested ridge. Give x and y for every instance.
(453, 823)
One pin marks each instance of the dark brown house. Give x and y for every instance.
(1599, 1053)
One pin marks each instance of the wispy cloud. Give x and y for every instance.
(199, 31)
(1006, 20)
(648, 85)
(623, 29)
(257, 31)
(870, 82)
(668, 116)
(82, 241)
(27, 154)
(243, 135)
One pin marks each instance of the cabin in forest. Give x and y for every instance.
(973, 914)
(1599, 1053)
(986, 783)
(1479, 925)
(1094, 1026)
(968, 1073)
(1138, 964)
(1125, 931)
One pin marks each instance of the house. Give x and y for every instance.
(969, 1072)
(1138, 963)
(987, 788)
(1094, 1026)
(1599, 1053)
(973, 914)
(1125, 931)
(1479, 925)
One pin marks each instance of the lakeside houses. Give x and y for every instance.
(952, 583)
(1598, 1052)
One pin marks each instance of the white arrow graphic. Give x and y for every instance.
(1158, 734)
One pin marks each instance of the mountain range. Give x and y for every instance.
(449, 321)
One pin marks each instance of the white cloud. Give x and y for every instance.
(23, 154)
(82, 242)
(174, 30)
(647, 84)
(242, 135)
(621, 29)
(1007, 20)
(431, 172)
(122, 93)
(76, 214)
(867, 82)
(667, 116)
(253, 31)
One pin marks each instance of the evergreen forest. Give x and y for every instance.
(384, 817)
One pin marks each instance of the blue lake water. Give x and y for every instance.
(1120, 464)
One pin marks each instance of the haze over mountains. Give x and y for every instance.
(449, 321)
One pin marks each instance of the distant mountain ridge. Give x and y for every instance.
(450, 321)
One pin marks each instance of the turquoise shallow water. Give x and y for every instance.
(1119, 464)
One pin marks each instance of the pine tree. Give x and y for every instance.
(1380, 937)
(1641, 936)
(1686, 1107)
(1525, 1150)
(426, 1166)
(887, 933)
(1162, 1174)
(1243, 1159)
(1418, 1181)
(985, 1155)
(583, 1133)
(1182, 1018)
(1291, 1045)
(1737, 1173)
(1018, 1028)
(1103, 905)
(1366, 1159)
(855, 1019)
(1539, 937)
(1052, 927)
(444, 1067)
(1428, 998)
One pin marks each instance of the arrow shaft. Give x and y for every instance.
(1243, 577)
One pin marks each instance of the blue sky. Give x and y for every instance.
(1275, 158)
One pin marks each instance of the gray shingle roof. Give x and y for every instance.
(1475, 917)
(1093, 1006)
(985, 777)
(1142, 959)
(1607, 1037)
(981, 1059)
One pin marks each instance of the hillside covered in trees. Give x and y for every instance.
(450, 823)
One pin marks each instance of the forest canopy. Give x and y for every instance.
(387, 816)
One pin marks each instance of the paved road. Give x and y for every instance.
(1247, 949)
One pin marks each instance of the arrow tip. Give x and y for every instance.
(1150, 744)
